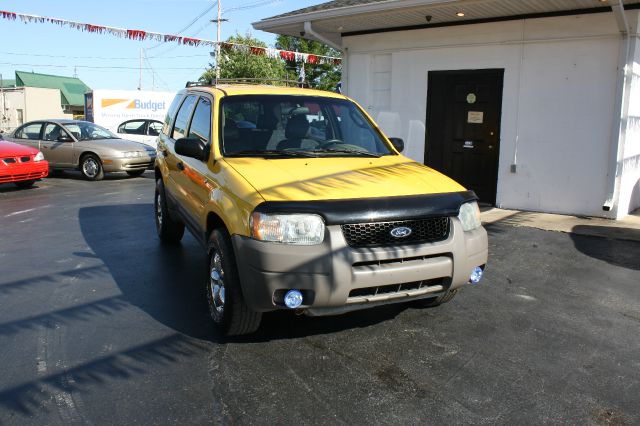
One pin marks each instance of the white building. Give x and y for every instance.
(21, 104)
(533, 104)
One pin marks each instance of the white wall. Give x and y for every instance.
(558, 99)
(35, 103)
(629, 167)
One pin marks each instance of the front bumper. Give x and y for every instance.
(128, 164)
(334, 277)
(24, 171)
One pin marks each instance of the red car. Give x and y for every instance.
(21, 164)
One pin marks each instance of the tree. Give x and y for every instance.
(242, 64)
(319, 76)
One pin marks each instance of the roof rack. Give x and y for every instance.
(289, 83)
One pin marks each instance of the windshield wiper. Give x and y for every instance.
(271, 153)
(347, 151)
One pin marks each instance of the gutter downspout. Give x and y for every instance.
(308, 29)
(618, 133)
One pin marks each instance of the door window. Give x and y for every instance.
(171, 112)
(52, 132)
(201, 122)
(155, 127)
(30, 131)
(135, 127)
(182, 119)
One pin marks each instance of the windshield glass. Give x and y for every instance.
(85, 131)
(295, 126)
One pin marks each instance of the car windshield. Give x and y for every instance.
(85, 131)
(297, 126)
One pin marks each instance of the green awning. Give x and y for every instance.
(72, 89)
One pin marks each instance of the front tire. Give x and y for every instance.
(169, 231)
(91, 167)
(228, 310)
(436, 301)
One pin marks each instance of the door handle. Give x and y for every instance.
(181, 166)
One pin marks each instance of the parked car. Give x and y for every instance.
(319, 222)
(144, 131)
(21, 165)
(74, 144)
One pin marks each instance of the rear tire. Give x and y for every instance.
(91, 167)
(436, 301)
(25, 183)
(135, 173)
(169, 231)
(227, 307)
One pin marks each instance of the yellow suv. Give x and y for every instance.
(303, 203)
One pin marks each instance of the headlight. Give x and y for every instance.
(131, 154)
(39, 156)
(469, 216)
(301, 229)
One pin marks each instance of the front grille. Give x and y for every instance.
(374, 234)
(25, 159)
(9, 160)
(395, 288)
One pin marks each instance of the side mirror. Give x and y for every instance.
(64, 138)
(397, 143)
(191, 147)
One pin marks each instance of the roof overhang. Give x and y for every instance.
(338, 19)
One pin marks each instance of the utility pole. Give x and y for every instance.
(218, 22)
(140, 78)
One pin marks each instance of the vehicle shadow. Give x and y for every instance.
(167, 281)
(12, 187)
(620, 251)
(76, 175)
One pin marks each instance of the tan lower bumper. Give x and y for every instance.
(333, 275)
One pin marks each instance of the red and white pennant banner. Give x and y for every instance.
(170, 38)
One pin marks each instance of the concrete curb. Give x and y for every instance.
(625, 229)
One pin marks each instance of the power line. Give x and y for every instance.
(99, 67)
(196, 19)
(99, 57)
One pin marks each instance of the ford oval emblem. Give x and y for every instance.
(401, 232)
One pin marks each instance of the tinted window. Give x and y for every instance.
(182, 119)
(132, 127)
(201, 123)
(30, 131)
(168, 120)
(155, 127)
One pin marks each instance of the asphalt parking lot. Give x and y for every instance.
(101, 324)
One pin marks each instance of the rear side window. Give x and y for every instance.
(168, 120)
(201, 123)
(182, 119)
(30, 131)
(132, 127)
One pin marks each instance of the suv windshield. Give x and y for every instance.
(85, 131)
(296, 126)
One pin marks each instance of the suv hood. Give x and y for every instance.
(334, 178)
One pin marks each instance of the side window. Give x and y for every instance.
(30, 131)
(52, 132)
(201, 123)
(155, 127)
(182, 119)
(132, 127)
(168, 120)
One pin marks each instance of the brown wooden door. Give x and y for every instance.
(463, 127)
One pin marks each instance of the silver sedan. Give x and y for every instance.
(75, 144)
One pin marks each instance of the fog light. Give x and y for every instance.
(293, 299)
(476, 275)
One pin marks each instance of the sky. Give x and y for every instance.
(49, 49)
